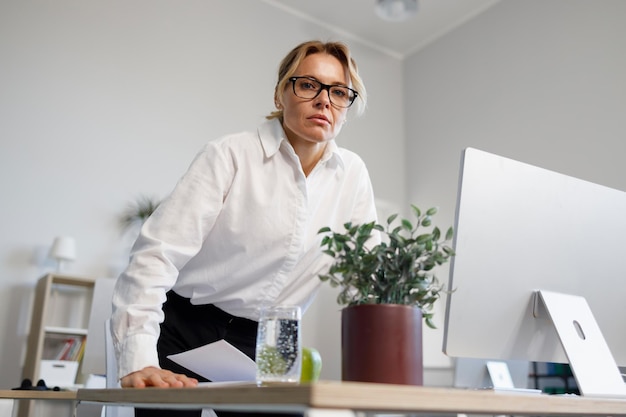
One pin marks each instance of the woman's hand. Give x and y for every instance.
(155, 377)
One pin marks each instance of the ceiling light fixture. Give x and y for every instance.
(396, 10)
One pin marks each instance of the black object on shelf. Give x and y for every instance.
(27, 385)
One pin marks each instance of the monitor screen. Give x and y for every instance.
(519, 229)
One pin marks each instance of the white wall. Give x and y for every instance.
(535, 80)
(541, 81)
(101, 102)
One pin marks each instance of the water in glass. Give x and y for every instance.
(278, 350)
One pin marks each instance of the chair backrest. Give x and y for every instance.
(110, 359)
(94, 358)
(112, 380)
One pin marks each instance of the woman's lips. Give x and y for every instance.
(319, 118)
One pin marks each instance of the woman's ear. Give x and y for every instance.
(277, 102)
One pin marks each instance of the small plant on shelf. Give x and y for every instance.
(138, 212)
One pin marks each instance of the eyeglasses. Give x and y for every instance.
(309, 88)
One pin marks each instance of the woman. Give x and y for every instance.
(239, 230)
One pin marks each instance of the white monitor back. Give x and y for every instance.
(521, 228)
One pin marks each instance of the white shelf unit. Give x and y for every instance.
(60, 318)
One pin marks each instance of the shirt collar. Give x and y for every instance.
(272, 135)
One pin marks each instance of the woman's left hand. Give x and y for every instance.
(154, 377)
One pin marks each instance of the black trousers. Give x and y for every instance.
(187, 326)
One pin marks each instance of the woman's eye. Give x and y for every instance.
(339, 93)
(307, 85)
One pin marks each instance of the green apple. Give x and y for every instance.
(311, 365)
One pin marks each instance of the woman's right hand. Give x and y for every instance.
(155, 377)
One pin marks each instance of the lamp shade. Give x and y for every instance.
(63, 248)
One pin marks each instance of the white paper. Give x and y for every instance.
(218, 362)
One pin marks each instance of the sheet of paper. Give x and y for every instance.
(218, 362)
(229, 384)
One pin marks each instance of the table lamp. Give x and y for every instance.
(63, 249)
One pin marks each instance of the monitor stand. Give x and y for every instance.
(592, 363)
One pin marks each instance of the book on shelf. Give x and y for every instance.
(73, 349)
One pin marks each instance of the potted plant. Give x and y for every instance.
(389, 289)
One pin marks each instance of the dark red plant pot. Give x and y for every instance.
(382, 343)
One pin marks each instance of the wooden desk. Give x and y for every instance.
(358, 397)
(326, 395)
(69, 398)
(38, 395)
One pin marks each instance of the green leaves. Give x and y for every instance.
(137, 212)
(399, 270)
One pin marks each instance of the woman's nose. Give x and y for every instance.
(323, 99)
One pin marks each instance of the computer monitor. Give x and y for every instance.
(520, 229)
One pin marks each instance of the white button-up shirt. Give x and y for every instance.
(240, 230)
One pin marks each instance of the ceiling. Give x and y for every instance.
(357, 20)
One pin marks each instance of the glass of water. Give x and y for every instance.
(278, 346)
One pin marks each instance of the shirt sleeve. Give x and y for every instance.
(169, 238)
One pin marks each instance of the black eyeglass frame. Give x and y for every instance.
(326, 87)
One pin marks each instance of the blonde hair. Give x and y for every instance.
(339, 50)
